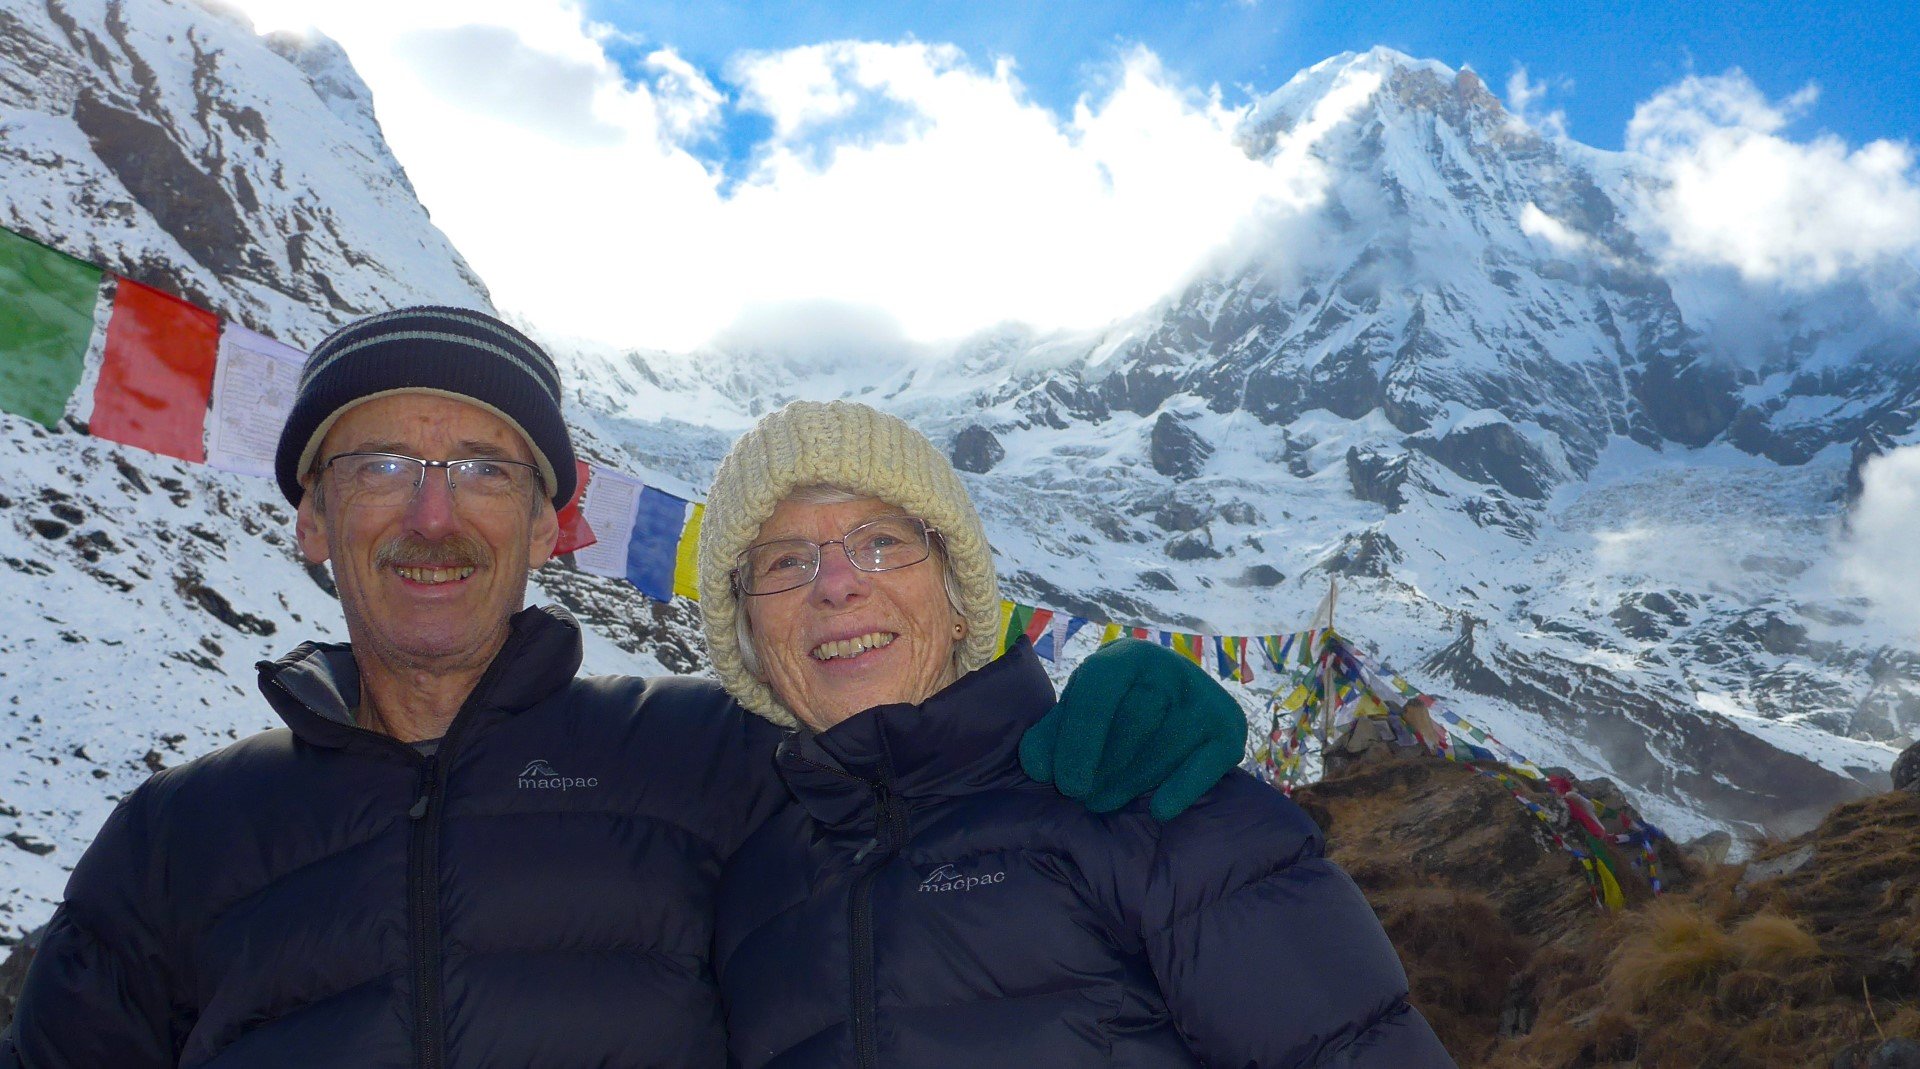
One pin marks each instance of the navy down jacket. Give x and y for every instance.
(538, 893)
(925, 904)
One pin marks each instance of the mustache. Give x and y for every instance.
(457, 551)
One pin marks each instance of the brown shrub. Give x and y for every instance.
(1675, 947)
(1773, 943)
(1746, 992)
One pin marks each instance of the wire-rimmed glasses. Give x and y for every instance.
(387, 480)
(879, 545)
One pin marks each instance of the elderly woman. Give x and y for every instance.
(922, 902)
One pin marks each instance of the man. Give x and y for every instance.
(457, 853)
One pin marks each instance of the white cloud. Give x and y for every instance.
(1538, 224)
(905, 178)
(1524, 97)
(1738, 193)
(1880, 556)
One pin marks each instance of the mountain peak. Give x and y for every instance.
(1384, 80)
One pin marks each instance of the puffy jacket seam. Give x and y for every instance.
(456, 813)
(1398, 1006)
(296, 1007)
(1278, 870)
(219, 913)
(691, 962)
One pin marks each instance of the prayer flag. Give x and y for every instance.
(1054, 642)
(1109, 633)
(253, 389)
(608, 508)
(575, 532)
(1023, 620)
(1274, 646)
(46, 320)
(1192, 647)
(658, 520)
(686, 559)
(1232, 652)
(156, 379)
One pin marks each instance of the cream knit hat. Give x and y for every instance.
(856, 448)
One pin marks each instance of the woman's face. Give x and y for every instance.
(851, 640)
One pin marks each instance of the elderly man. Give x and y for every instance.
(457, 853)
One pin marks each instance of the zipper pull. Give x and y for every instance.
(865, 850)
(427, 778)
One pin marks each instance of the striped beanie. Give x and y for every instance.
(451, 352)
(852, 447)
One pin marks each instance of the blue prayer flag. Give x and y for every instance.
(1044, 645)
(658, 520)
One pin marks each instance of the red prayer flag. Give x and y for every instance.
(575, 533)
(156, 378)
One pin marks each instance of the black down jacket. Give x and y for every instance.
(926, 905)
(537, 894)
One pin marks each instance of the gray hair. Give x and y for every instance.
(835, 495)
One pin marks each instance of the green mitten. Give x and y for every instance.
(1137, 717)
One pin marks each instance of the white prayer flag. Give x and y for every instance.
(254, 384)
(609, 508)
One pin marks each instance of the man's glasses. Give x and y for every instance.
(880, 545)
(388, 480)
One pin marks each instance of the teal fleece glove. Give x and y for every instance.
(1137, 717)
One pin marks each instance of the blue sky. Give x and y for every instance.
(1598, 60)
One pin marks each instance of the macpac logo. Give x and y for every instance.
(945, 879)
(540, 776)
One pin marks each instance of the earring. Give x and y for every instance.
(959, 629)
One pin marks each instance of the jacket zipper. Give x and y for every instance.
(889, 834)
(423, 892)
(423, 869)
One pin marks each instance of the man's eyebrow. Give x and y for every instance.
(380, 445)
(484, 450)
(466, 449)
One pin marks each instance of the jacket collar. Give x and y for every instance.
(962, 740)
(315, 687)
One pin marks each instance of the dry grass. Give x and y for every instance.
(1497, 931)
(1771, 942)
(1676, 946)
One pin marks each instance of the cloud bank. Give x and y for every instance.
(1739, 193)
(909, 185)
(903, 177)
(1880, 556)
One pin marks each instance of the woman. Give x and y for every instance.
(923, 903)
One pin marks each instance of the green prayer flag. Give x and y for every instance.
(1016, 626)
(46, 320)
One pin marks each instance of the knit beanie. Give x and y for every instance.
(450, 352)
(859, 449)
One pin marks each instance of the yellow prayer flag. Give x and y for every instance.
(686, 559)
(1109, 633)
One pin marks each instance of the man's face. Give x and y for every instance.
(430, 583)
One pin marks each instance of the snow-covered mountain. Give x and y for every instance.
(1547, 492)
(1460, 383)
